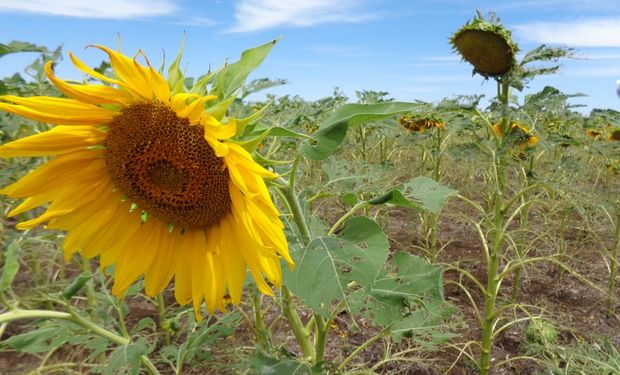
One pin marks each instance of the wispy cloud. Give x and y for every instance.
(197, 21)
(254, 15)
(117, 9)
(593, 32)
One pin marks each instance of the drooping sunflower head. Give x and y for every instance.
(418, 123)
(487, 45)
(593, 133)
(519, 135)
(614, 135)
(149, 178)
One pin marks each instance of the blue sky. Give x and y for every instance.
(399, 46)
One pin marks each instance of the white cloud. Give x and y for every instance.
(116, 9)
(599, 32)
(254, 15)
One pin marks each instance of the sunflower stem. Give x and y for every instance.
(161, 310)
(320, 338)
(346, 216)
(293, 202)
(493, 254)
(90, 287)
(301, 334)
(261, 332)
(74, 316)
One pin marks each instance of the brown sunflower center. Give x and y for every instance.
(165, 165)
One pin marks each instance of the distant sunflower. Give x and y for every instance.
(150, 182)
(526, 139)
(593, 133)
(416, 124)
(614, 135)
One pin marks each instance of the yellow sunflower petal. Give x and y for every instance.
(59, 140)
(233, 262)
(131, 73)
(93, 94)
(161, 270)
(137, 257)
(217, 130)
(56, 110)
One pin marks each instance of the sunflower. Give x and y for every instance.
(593, 133)
(416, 124)
(487, 45)
(151, 183)
(523, 136)
(614, 135)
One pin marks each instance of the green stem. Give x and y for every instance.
(161, 311)
(360, 348)
(493, 278)
(320, 338)
(613, 272)
(261, 332)
(302, 336)
(90, 287)
(346, 216)
(296, 211)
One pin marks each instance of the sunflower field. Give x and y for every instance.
(156, 223)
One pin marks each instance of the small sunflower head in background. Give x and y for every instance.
(487, 45)
(149, 179)
(419, 123)
(524, 139)
(614, 135)
(593, 133)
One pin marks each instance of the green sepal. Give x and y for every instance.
(218, 110)
(242, 123)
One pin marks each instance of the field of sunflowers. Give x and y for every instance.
(153, 223)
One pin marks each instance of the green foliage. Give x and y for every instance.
(232, 76)
(126, 359)
(17, 46)
(332, 131)
(421, 193)
(11, 266)
(264, 364)
(328, 265)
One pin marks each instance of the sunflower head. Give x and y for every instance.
(593, 133)
(518, 135)
(487, 45)
(418, 123)
(614, 135)
(149, 177)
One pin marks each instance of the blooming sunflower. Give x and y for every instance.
(416, 124)
(150, 182)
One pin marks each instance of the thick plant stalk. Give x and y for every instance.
(492, 256)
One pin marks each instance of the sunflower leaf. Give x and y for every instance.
(232, 76)
(17, 46)
(329, 265)
(263, 363)
(332, 131)
(126, 359)
(421, 193)
(11, 266)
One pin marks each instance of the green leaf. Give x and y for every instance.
(407, 295)
(261, 84)
(232, 76)
(332, 131)
(47, 336)
(126, 359)
(77, 284)
(329, 264)
(11, 266)
(175, 75)
(421, 193)
(17, 46)
(264, 364)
